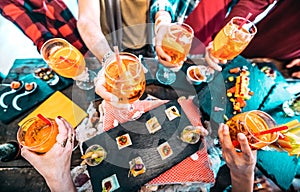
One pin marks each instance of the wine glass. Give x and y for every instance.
(231, 40)
(68, 62)
(176, 43)
(125, 78)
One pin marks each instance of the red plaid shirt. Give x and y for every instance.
(41, 20)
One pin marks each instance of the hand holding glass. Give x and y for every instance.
(176, 43)
(126, 80)
(251, 124)
(37, 135)
(230, 41)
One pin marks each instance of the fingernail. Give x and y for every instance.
(225, 129)
(242, 136)
(59, 117)
(21, 146)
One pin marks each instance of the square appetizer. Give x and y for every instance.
(153, 125)
(123, 141)
(165, 150)
(172, 113)
(136, 166)
(110, 183)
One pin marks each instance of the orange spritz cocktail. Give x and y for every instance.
(177, 41)
(38, 135)
(127, 82)
(251, 123)
(63, 58)
(233, 38)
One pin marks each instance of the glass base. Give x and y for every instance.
(85, 81)
(165, 76)
(288, 109)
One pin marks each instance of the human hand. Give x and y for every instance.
(55, 164)
(294, 63)
(211, 60)
(241, 164)
(163, 57)
(101, 90)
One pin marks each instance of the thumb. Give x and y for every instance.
(30, 156)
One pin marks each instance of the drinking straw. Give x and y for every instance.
(246, 19)
(67, 60)
(276, 129)
(46, 120)
(116, 50)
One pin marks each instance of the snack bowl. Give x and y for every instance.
(94, 155)
(195, 75)
(46, 74)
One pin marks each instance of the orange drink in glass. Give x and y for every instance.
(67, 61)
(251, 123)
(129, 83)
(233, 38)
(63, 57)
(177, 41)
(37, 135)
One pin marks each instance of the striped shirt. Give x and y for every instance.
(178, 9)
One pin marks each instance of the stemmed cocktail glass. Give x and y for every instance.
(68, 62)
(231, 40)
(125, 78)
(176, 43)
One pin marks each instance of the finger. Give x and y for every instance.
(220, 133)
(295, 62)
(31, 157)
(245, 146)
(213, 63)
(296, 74)
(102, 92)
(62, 130)
(162, 54)
(70, 133)
(227, 144)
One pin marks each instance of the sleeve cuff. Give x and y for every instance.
(161, 5)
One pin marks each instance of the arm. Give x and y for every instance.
(55, 165)
(241, 164)
(90, 29)
(243, 7)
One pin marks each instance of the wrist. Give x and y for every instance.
(64, 183)
(163, 18)
(242, 181)
(106, 56)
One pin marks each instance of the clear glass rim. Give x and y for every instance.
(252, 25)
(112, 59)
(185, 26)
(271, 120)
(30, 121)
(65, 42)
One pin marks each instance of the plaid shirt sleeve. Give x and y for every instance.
(178, 9)
(40, 23)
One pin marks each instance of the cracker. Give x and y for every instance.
(172, 113)
(123, 141)
(153, 125)
(165, 150)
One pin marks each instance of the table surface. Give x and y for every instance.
(19, 175)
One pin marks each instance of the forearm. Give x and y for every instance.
(60, 184)
(89, 27)
(242, 182)
(93, 38)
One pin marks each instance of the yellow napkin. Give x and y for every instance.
(59, 105)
